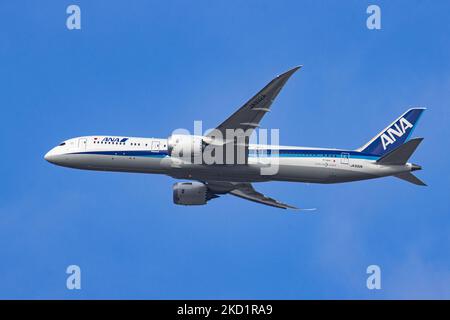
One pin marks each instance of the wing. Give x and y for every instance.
(250, 114)
(245, 191)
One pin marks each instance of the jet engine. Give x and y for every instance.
(185, 146)
(191, 193)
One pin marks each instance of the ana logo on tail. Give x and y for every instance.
(394, 132)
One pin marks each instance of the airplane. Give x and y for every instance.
(387, 154)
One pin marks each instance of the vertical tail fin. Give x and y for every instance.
(394, 135)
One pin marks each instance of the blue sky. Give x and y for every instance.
(144, 68)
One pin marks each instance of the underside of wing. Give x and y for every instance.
(249, 193)
(246, 191)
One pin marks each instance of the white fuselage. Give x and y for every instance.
(265, 163)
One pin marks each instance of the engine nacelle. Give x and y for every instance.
(185, 146)
(190, 193)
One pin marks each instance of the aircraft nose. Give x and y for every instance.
(47, 156)
(50, 156)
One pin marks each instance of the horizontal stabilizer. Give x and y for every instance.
(401, 155)
(408, 176)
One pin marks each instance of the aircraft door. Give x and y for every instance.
(345, 156)
(82, 142)
(155, 146)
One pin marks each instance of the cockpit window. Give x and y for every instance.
(62, 144)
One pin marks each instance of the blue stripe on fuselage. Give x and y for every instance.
(284, 153)
(317, 153)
